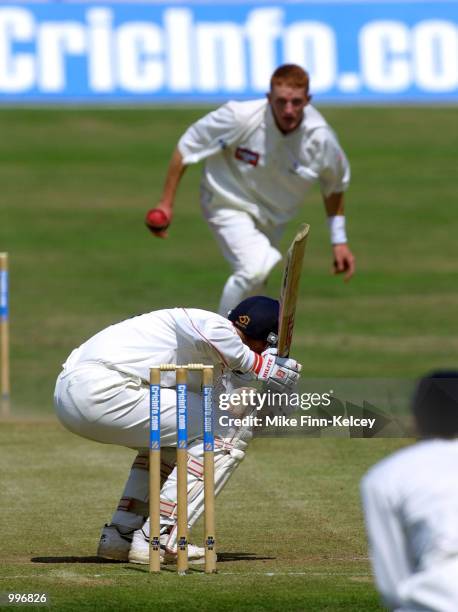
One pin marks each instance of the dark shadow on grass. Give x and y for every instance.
(223, 557)
(73, 560)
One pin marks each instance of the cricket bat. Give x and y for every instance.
(290, 290)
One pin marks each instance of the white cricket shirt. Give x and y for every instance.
(177, 335)
(252, 166)
(410, 503)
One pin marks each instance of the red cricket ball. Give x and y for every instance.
(156, 220)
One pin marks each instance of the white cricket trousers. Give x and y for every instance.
(111, 407)
(250, 250)
(108, 406)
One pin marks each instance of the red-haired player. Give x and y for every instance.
(261, 158)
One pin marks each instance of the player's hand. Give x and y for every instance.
(158, 220)
(344, 261)
(279, 372)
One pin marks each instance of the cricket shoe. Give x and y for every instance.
(115, 543)
(139, 551)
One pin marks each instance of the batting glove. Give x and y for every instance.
(279, 372)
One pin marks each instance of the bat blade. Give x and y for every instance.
(290, 289)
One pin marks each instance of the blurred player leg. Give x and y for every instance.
(249, 251)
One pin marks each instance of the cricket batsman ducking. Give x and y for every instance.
(102, 394)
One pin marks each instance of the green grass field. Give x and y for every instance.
(75, 188)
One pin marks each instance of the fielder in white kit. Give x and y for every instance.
(261, 158)
(410, 503)
(103, 394)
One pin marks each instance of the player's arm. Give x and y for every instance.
(218, 339)
(159, 218)
(344, 261)
(334, 176)
(204, 138)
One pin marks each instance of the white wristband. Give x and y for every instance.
(337, 229)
